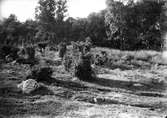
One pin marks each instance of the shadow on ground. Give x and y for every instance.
(127, 85)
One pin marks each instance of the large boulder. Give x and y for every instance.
(28, 86)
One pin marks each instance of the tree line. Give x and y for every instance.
(126, 26)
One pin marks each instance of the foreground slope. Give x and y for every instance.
(127, 89)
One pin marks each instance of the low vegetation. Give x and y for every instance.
(77, 78)
(112, 86)
(41, 73)
(8, 51)
(62, 50)
(78, 61)
(83, 69)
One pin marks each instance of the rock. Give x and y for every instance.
(74, 79)
(28, 86)
(137, 85)
(158, 80)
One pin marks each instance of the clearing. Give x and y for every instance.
(126, 88)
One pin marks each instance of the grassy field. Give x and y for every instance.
(132, 85)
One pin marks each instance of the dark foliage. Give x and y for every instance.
(83, 69)
(30, 59)
(78, 61)
(27, 61)
(54, 48)
(62, 50)
(131, 26)
(42, 46)
(101, 59)
(9, 51)
(41, 73)
(67, 62)
(134, 26)
(30, 50)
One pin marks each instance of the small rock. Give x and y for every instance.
(137, 85)
(74, 79)
(157, 81)
(94, 100)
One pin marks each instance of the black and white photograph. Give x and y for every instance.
(83, 58)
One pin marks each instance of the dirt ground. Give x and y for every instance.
(115, 93)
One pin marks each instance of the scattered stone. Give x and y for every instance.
(137, 85)
(158, 80)
(74, 79)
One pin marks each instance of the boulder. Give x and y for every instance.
(28, 86)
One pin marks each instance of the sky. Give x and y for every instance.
(25, 9)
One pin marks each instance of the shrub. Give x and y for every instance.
(62, 50)
(88, 44)
(54, 48)
(22, 52)
(27, 61)
(30, 52)
(9, 51)
(158, 81)
(41, 73)
(83, 69)
(27, 56)
(98, 60)
(67, 62)
(42, 46)
(78, 62)
(101, 59)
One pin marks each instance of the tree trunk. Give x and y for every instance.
(163, 26)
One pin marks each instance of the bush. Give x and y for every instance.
(22, 52)
(62, 50)
(42, 46)
(27, 61)
(78, 62)
(54, 48)
(27, 56)
(30, 52)
(9, 51)
(83, 69)
(67, 62)
(41, 73)
(101, 59)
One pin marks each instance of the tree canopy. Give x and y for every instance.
(134, 25)
(127, 26)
